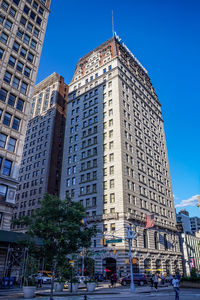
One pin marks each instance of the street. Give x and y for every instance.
(116, 294)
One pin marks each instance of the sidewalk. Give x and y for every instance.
(100, 290)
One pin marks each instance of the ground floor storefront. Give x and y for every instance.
(143, 262)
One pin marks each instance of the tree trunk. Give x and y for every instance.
(52, 281)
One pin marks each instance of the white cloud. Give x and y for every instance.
(175, 197)
(188, 202)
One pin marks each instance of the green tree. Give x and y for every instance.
(58, 224)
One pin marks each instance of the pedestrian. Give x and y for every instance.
(175, 283)
(170, 278)
(162, 279)
(111, 280)
(39, 280)
(151, 280)
(155, 281)
(178, 276)
(114, 279)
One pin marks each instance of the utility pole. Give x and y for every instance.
(130, 237)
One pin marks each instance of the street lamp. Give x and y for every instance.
(130, 237)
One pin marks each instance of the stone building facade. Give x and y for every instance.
(22, 30)
(115, 160)
(40, 168)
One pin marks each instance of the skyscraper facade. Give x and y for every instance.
(22, 30)
(40, 169)
(115, 160)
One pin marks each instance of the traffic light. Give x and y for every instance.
(114, 252)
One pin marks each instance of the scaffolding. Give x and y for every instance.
(15, 262)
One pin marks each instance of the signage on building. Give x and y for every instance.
(129, 51)
(113, 241)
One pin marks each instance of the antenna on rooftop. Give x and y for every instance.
(113, 31)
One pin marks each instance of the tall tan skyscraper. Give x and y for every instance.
(115, 160)
(22, 30)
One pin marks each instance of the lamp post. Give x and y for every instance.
(130, 237)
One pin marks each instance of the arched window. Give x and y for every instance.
(147, 265)
(168, 267)
(156, 239)
(158, 265)
(145, 238)
(165, 242)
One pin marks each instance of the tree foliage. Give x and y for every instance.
(58, 224)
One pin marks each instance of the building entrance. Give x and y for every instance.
(109, 266)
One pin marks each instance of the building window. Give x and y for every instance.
(105, 227)
(7, 119)
(12, 61)
(165, 242)
(112, 198)
(33, 44)
(4, 38)
(30, 57)
(7, 167)
(11, 144)
(36, 32)
(23, 21)
(19, 66)
(12, 12)
(11, 99)
(2, 18)
(3, 192)
(16, 2)
(26, 9)
(20, 104)
(7, 77)
(26, 39)
(4, 5)
(16, 123)
(16, 46)
(112, 183)
(1, 53)
(3, 139)
(156, 240)
(15, 82)
(3, 95)
(27, 72)
(112, 226)
(145, 238)
(39, 21)
(23, 88)
(29, 27)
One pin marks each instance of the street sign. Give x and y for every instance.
(113, 241)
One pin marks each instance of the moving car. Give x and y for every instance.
(139, 279)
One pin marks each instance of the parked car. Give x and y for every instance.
(44, 278)
(139, 279)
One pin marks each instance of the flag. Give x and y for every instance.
(149, 221)
(84, 222)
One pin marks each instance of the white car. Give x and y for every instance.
(44, 278)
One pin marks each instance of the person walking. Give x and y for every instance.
(170, 278)
(151, 280)
(114, 279)
(162, 279)
(175, 283)
(111, 281)
(155, 281)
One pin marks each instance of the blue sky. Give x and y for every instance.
(164, 36)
